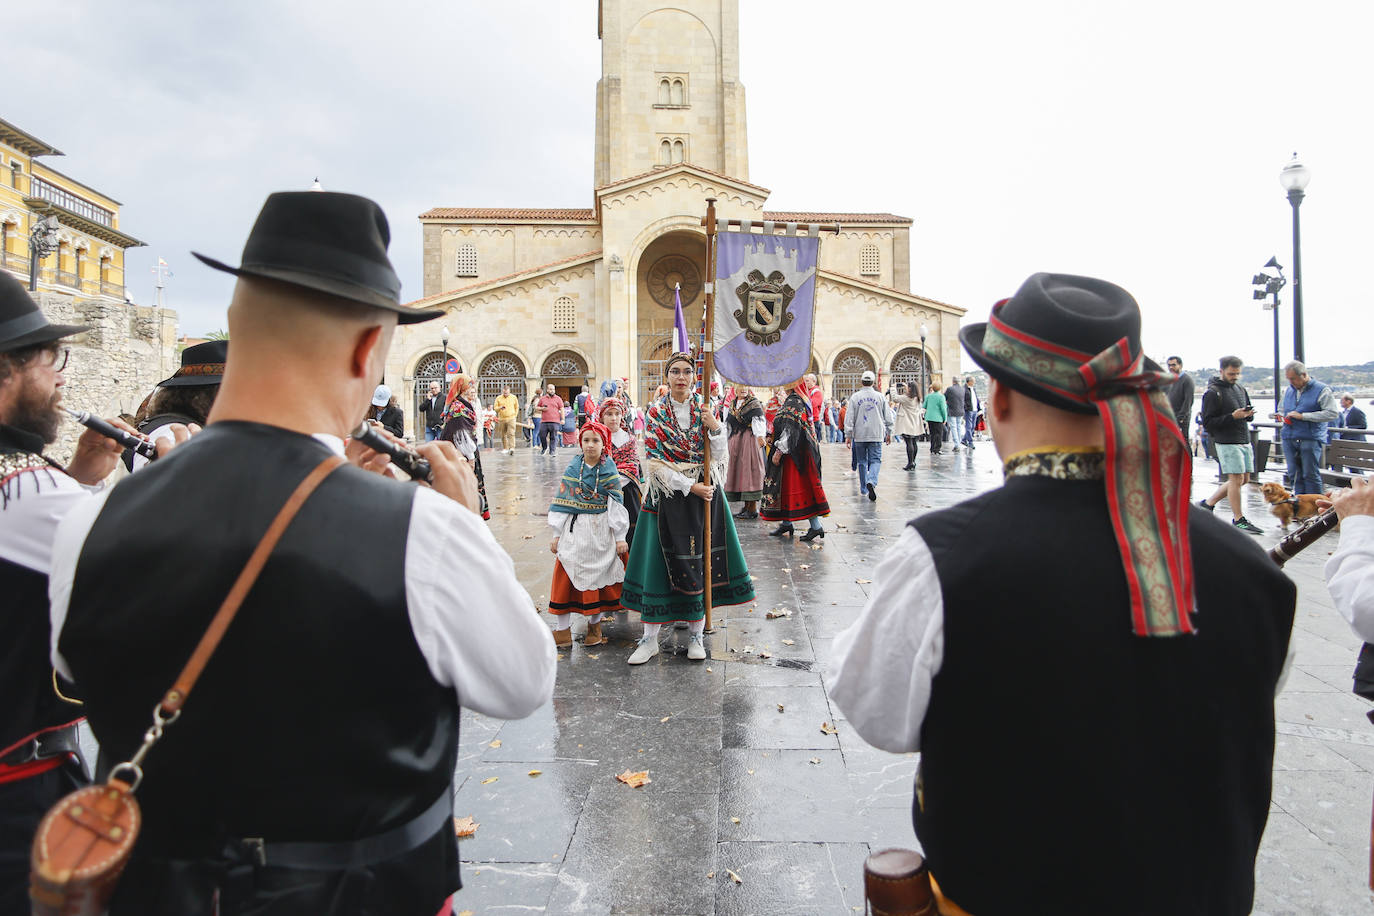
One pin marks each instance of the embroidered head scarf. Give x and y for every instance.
(1148, 468)
(458, 406)
(586, 489)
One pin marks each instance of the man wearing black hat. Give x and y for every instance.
(39, 759)
(184, 399)
(310, 770)
(1086, 663)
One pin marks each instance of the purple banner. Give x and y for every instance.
(765, 306)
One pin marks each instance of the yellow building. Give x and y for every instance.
(88, 260)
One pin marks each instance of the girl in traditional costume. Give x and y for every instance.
(747, 428)
(461, 427)
(666, 577)
(590, 524)
(624, 451)
(792, 488)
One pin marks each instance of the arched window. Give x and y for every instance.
(565, 365)
(498, 370)
(564, 315)
(467, 260)
(870, 264)
(908, 367)
(678, 95)
(850, 366)
(664, 92)
(665, 153)
(430, 368)
(678, 151)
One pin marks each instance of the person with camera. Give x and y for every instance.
(1226, 415)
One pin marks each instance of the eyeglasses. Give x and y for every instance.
(65, 353)
(682, 372)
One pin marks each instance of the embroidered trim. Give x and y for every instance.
(12, 465)
(1068, 464)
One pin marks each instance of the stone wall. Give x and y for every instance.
(114, 365)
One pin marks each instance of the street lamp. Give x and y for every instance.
(444, 339)
(42, 242)
(924, 332)
(1294, 178)
(1269, 285)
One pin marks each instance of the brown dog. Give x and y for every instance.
(1285, 506)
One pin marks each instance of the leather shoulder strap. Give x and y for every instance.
(176, 697)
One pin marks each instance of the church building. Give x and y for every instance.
(573, 296)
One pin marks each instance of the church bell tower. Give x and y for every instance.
(669, 90)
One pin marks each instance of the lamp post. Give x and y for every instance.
(444, 339)
(924, 332)
(42, 242)
(1294, 178)
(1270, 285)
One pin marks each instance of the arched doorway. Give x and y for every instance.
(911, 366)
(654, 350)
(567, 371)
(430, 368)
(672, 264)
(498, 370)
(848, 372)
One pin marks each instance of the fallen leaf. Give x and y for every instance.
(734, 820)
(710, 874)
(840, 526)
(465, 826)
(784, 586)
(789, 642)
(664, 719)
(779, 707)
(747, 649)
(816, 546)
(708, 669)
(593, 655)
(751, 610)
(778, 612)
(751, 772)
(489, 780)
(468, 912)
(786, 569)
(806, 566)
(528, 537)
(864, 581)
(763, 654)
(734, 877)
(815, 760)
(561, 656)
(828, 729)
(496, 743)
(536, 772)
(634, 780)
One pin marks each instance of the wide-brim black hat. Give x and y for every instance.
(327, 242)
(1076, 316)
(202, 364)
(22, 322)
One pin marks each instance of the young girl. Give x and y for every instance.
(625, 453)
(460, 419)
(590, 524)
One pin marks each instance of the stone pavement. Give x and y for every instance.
(744, 781)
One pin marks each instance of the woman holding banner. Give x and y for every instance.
(665, 577)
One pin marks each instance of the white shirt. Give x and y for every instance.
(475, 625)
(36, 500)
(1350, 575)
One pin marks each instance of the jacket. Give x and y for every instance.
(1220, 401)
(866, 420)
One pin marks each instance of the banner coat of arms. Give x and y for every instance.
(765, 306)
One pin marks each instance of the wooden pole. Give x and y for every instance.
(707, 369)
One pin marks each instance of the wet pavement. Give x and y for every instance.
(754, 806)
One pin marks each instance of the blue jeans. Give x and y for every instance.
(430, 434)
(1304, 463)
(869, 457)
(969, 421)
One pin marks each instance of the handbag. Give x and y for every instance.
(85, 840)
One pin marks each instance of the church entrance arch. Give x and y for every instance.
(430, 368)
(911, 366)
(567, 371)
(498, 370)
(674, 264)
(848, 372)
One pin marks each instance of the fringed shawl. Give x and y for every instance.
(669, 447)
(742, 413)
(587, 490)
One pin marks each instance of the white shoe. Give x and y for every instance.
(680, 624)
(647, 649)
(695, 650)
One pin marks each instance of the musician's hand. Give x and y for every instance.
(366, 458)
(453, 475)
(703, 491)
(1358, 499)
(172, 435)
(96, 456)
(553, 546)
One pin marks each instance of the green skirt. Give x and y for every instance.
(647, 588)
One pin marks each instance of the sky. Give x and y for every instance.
(1136, 142)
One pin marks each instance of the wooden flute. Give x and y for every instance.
(139, 444)
(405, 459)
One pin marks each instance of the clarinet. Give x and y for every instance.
(140, 445)
(408, 461)
(1291, 544)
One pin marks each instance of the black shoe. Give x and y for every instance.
(745, 513)
(1203, 504)
(871, 495)
(1243, 523)
(784, 528)
(812, 535)
(909, 467)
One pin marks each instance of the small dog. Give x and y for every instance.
(1285, 506)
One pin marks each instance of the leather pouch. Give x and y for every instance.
(80, 850)
(897, 883)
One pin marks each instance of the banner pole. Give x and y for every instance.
(708, 368)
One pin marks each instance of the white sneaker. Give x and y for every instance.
(695, 650)
(647, 649)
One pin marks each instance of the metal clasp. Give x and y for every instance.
(152, 736)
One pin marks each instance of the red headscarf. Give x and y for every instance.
(600, 430)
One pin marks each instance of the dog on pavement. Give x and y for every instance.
(1286, 507)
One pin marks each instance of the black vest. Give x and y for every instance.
(317, 719)
(30, 705)
(1068, 765)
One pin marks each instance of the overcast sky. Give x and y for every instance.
(1137, 142)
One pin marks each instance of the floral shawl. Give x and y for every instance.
(461, 411)
(669, 447)
(742, 413)
(587, 490)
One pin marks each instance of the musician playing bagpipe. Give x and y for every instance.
(1086, 663)
(39, 758)
(310, 770)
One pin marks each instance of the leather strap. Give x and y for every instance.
(176, 697)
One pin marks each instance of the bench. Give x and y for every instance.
(1346, 453)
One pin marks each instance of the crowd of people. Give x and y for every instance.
(384, 606)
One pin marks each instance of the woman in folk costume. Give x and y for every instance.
(461, 427)
(792, 488)
(624, 451)
(666, 576)
(744, 479)
(589, 522)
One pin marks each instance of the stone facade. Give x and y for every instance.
(577, 296)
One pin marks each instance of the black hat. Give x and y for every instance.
(202, 364)
(1078, 317)
(327, 242)
(22, 322)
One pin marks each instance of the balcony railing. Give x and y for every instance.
(67, 279)
(69, 201)
(14, 261)
(112, 289)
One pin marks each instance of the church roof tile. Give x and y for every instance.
(801, 216)
(540, 213)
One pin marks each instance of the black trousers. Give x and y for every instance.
(22, 805)
(910, 449)
(937, 433)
